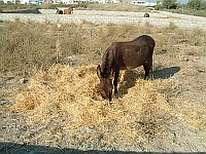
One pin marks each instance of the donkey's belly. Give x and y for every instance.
(133, 59)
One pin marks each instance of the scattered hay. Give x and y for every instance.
(142, 113)
(191, 113)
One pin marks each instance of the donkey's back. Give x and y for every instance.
(133, 53)
(145, 39)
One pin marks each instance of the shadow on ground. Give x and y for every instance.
(13, 148)
(165, 73)
(131, 76)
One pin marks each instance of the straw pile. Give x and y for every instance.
(142, 111)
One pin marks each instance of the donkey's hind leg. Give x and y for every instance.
(147, 68)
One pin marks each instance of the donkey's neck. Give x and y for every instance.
(106, 65)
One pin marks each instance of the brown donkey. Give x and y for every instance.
(123, 55)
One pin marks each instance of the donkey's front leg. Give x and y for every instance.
(116, 75)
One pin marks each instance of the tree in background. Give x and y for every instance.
(197, 4)
(168, 4)
(203, 4)
(194, 4)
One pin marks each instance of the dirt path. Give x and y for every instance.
(157, 18)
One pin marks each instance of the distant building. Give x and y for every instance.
(114, 1)
(142, 3)
(39, 2)
(97, 1)
(138, 2)
(67, 1)
(24, 1)
(48, 1)
(9, 1)
(108, 1)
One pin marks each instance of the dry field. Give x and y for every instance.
(50, 101)
(157, 18)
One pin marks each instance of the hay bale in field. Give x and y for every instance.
(146, 15)
(68, 10)
(59, 11)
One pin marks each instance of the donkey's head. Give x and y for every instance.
(105, 84)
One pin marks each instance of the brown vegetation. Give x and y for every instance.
(116, 7)
(25, 47)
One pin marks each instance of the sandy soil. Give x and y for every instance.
(158, 18)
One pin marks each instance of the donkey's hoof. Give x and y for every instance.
(117, 94)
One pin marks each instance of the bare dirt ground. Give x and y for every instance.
(157, 18)
(184, 64)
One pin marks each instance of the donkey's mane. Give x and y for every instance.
(105, 65)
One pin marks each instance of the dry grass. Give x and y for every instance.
(201, 12)
(25, 47)
(116, 7)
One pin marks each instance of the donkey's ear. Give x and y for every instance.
(99, 71)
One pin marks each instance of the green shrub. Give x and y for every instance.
(194, 4)
(168, 4)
